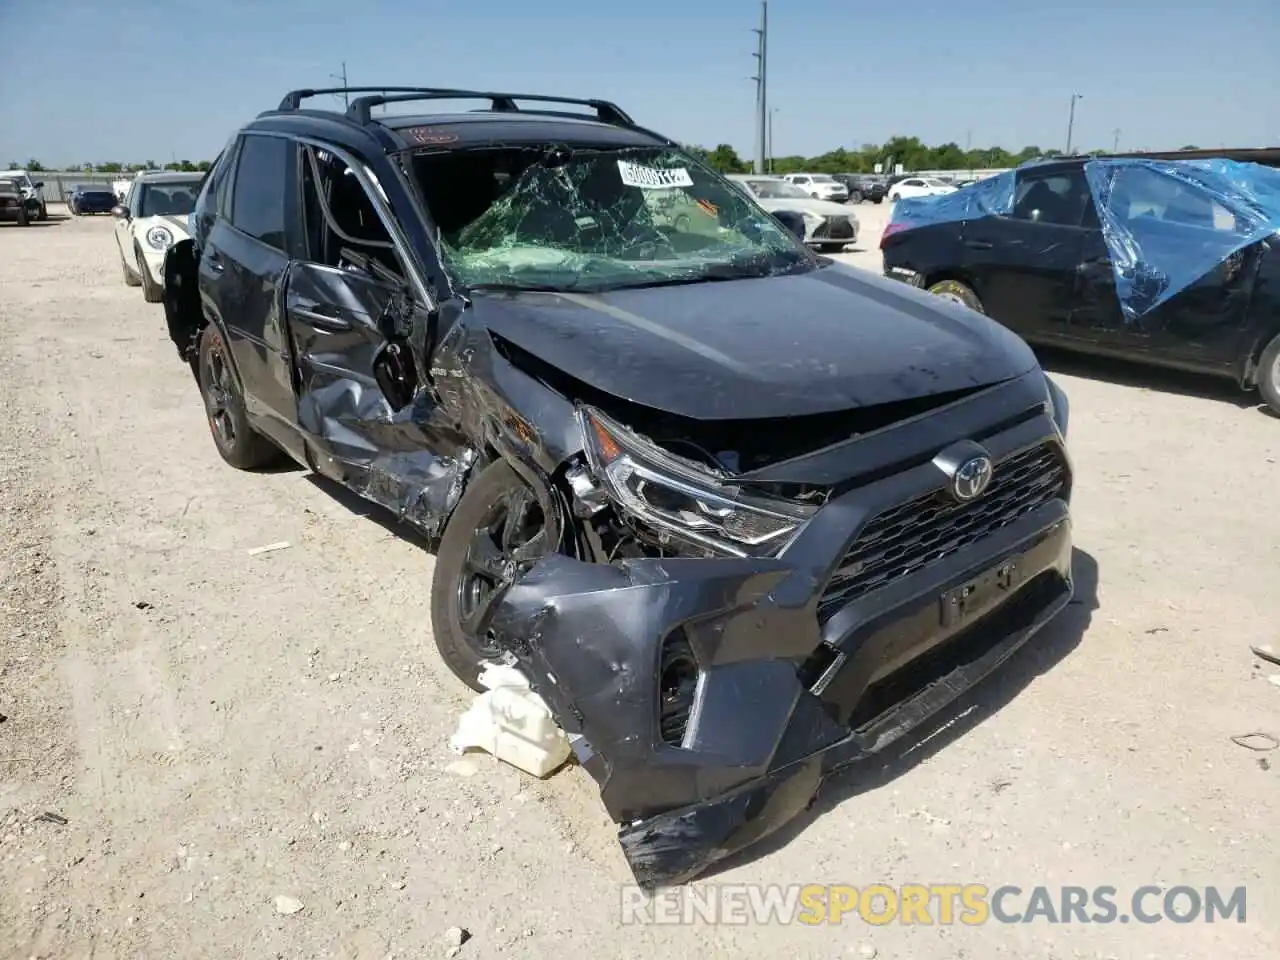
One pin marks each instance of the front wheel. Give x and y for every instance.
(496, 527)
(1269, 375)
(152, 292)
(855, 197)
(957, 292)
(238, 443)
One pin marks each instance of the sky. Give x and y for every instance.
(138, 80)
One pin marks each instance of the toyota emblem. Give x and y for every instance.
(971, 478)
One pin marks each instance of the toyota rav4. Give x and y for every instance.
(741, 515)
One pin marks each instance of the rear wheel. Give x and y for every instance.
(855, 197)
(496, 527)
(238, 443)
(957, 292)
(44, 211)
(1269, 375)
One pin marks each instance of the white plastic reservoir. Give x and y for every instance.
(513, 723)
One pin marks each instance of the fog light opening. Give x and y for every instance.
(677, 686)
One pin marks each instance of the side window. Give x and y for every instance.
(1139, 193)
(260, 191)
(339, 217)
(1061, 198)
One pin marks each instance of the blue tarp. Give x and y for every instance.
(1166, 223)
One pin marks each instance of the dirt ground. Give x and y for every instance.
(214, 730)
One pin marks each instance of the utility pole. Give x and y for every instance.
(1115, 140)
(772, 111)
(1071, 119)
(346, 99)
(762, 80)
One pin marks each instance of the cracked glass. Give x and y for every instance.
(556, 218)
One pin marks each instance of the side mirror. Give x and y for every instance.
(792, 221)
(120, 211)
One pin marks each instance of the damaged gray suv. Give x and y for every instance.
(742, 515)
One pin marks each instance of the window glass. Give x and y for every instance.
(259, 192)
(175, 199)
(1141, 193)
(1060, 197)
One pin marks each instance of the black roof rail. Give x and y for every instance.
(293, 99)
(361, 108)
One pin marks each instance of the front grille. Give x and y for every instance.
(920, 532)
(840, 229)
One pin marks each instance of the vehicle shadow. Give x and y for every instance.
(1044, 651)
(1130, 374)
(30, 223)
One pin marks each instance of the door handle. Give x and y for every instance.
(321, 321)
(979, 244)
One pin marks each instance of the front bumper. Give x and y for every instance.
(797, 677)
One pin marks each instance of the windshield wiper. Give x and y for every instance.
(524, 287)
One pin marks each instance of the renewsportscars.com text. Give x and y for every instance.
(971, 904)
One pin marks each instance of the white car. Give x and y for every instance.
(827, 226)
(152, 219)
(819, 186)
(31, 192)
(919, 187)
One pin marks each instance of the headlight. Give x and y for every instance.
(677, 498)
(1057, 405)
(159, 238)
(810, 218)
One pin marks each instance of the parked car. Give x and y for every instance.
(820, 186)
(919, 187)
(33, 199)
(659, 466)
(828, 226)
(86, 198)
(863, 186)
(1170, 262)
(13, 204)
(151, 220)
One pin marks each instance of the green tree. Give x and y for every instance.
(111, 167)
(1190, 146)
(725, 159)
(34, 165)
(204, 166)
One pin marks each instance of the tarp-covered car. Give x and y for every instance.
(1170, 262)
(741, 515)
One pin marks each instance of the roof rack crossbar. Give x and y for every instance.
(293, 99)
(606, 111)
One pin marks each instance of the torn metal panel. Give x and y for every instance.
(790, 675)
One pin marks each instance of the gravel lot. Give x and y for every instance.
(219, 730)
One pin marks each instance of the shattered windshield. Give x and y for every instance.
(592, 219)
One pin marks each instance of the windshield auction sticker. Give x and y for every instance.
(653, 178)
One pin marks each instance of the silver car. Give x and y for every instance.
(827, 226)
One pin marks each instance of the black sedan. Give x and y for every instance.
(91, 198)
(1167, 262)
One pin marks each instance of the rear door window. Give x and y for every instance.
(259, 192)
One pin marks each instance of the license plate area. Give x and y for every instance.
(981, 594)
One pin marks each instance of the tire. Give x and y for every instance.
(71, 209)
(471, 565)
(44, 211)
(957, 292)
(878, 200)
(152, 292)
(1269, 375)
(238, 443)
(855, 197)
(24, 218)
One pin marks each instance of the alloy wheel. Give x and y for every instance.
(512, 533)
(217, 397)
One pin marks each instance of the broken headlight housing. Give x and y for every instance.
(678, 499)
